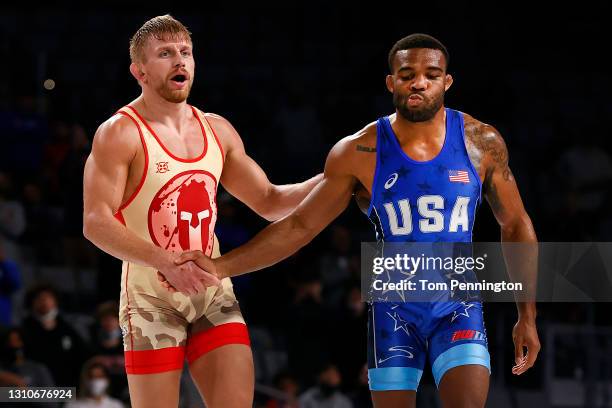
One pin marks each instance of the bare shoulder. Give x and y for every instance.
(485, 145)
(213, 118)
(362, 141)
(228, 136)
(482, 134)
(117, 136)
(351, 152)
(365, 140)
(220, 125)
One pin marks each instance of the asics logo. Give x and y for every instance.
(392, 179)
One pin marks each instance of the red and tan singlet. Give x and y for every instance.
(174, 207)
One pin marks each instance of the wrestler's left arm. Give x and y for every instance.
(244, 179)
(501, 192)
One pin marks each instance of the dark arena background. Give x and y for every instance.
(293, 80)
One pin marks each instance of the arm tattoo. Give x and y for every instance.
(473, 136)
(485, 142)
(367, 149)
(492, 194)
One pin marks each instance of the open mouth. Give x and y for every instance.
(179, 78)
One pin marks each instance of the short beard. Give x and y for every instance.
(421, 114)
(174, 96)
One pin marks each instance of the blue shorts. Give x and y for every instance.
(402, 335)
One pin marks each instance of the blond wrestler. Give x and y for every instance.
(150, 193)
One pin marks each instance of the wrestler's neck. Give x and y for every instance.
(155, 108)
(423, 131)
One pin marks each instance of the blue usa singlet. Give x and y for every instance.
(423, 201)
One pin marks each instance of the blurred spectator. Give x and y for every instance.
(55, 153)
(232, 233)
(106, 332)
(288, 385)
(349, 344)
(307, 327)
(10, 282)
(9, 379)
(41, 233)
(302, 144)
(93, 388)
(326, 394)
(12, 217)
(229, 229)
(14, 360)
(361, 396)
(50, 339)
(335, 265)
(24, 132)
(108, 345)
(585, 170)
(78, 250)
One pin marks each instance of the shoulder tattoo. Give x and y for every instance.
(361, 148)
(485, 144)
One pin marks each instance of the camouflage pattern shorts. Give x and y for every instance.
(161, 328)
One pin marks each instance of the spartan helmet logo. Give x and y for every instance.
(193, 215)
(182, 216)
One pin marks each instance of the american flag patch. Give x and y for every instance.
(459, 176)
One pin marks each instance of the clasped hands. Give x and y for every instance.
(190, 273)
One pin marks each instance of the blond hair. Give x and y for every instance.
(161, 28)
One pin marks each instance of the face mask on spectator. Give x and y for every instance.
(12, 354)
(16, 353)
(50, 315)
(97, 386)
(110, 335)
(327, 389)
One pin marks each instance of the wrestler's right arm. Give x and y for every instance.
(284, 237)
(115, 146)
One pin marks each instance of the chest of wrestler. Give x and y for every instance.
(425, 200)
(174, 203)
(433, 175)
